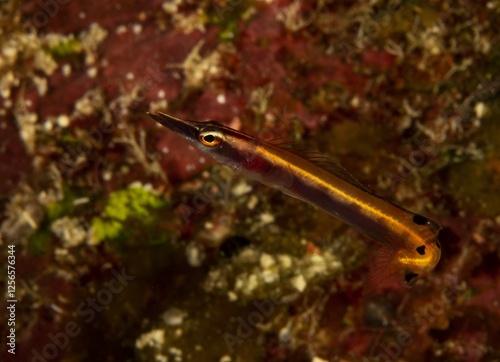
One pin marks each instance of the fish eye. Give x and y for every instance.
(422, 220)
(210, 138)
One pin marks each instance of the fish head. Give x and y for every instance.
(213, 138)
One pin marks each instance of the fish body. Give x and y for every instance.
(410, 248)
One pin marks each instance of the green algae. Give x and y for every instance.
(133, 205)
(67, 47)
(228, 17)
(63, 207)
(39, 241)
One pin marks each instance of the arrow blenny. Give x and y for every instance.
(410, 248)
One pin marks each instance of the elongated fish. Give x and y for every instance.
(410, 248)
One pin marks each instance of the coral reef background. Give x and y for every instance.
(130, 245)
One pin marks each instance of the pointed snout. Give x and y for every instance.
(187, 129)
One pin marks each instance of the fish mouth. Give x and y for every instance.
(187, 129)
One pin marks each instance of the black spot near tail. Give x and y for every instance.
(411, 278)
(421, 250)
(419, 219)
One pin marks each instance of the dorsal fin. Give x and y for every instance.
(335, 168)
(322, 161)
(338, 171)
